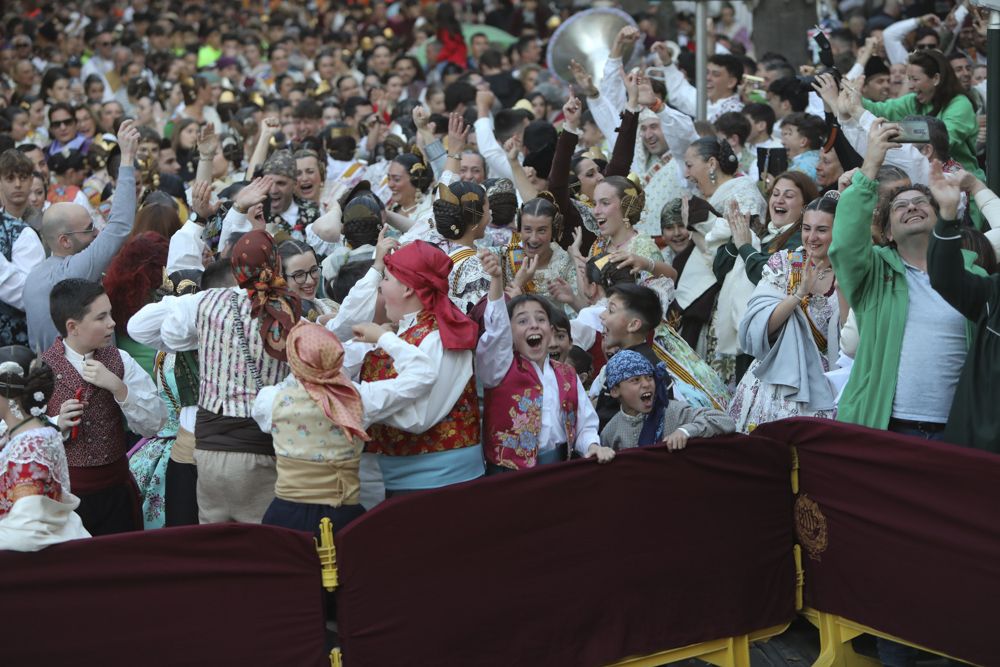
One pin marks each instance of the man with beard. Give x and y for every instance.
(289, 215)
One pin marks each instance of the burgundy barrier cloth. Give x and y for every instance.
(224, 594)
(573, 564)
(904, 533)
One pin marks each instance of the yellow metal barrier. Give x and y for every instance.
(728, 652)
(836, 633)
(328, 570)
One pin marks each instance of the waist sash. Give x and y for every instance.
(183, 449)
(219, 433)
(333, 483)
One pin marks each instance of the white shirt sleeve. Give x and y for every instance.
(605, 117)
(613, 85)
(186, 248)
(263, 403)
(322, 248)
(491, 150)
(179, 331)
(358, 306)
(142, 407)
(587, 422)
(678, 130)
(25, 255)
(893, 37)
(495, 350)
(233, 222)
(906, 157)
(427, 385)
(680, 94)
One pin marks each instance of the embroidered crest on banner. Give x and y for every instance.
(810, 526)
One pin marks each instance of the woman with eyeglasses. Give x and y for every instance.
(791, 328)
(302, 273)
(936, 91)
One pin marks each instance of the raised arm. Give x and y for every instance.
(559, 173)
(969, 294)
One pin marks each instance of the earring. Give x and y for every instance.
(711, 176)
(15, 410)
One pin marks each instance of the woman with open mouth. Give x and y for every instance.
(533, 261)
(791, 327)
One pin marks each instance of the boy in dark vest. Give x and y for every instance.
(100, 390)
(535, 406)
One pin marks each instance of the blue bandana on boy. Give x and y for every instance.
(628, 364)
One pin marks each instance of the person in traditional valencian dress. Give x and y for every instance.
(537, 411)
(533, 262)
(36, 502)
(791, 327)
(461, 215)
(240, 335)
(99, 391)
(427, 433)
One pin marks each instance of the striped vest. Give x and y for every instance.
(459, 428)
(227, 386)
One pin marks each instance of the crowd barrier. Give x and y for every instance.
(653, 558)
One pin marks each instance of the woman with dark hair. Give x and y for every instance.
(711, 164)
(302, 274)
(36, 505)
(534, 262)
(791, 327)
(449, 33)
(55, 85)
(131, 281)
(409, 179)
(936, 92)
(461, 214)
(184, 141)
(93, 88)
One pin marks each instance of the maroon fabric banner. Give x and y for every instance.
(899, 534)
(226, 594)
(574, 563)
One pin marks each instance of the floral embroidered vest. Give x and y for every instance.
(101, 437)
(513, 419)
(459, 429)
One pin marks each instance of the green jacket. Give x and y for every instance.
(958, 116)
(873, 280)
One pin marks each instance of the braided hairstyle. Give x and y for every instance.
(633, 199)
(711, 147)
(543, 205)
(24, 380)
(420, 174)
(458, 207)
(503, 201)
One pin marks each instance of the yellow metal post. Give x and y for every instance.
(327, 554)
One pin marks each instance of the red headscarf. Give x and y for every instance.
(316, 358)
(257, 268)
(425, 268)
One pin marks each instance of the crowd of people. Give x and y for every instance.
(280, 263)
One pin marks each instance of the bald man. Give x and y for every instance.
(78, 251)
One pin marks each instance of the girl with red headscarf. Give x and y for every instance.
(424, 429)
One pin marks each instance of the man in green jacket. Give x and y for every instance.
(912, 342)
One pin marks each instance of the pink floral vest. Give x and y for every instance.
(513, 414)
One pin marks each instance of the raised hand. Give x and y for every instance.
(201, 199)
(571, 113)
(739, 225)
(457, 133)
(208, 142)
(512, 147)
(881, 139)
(128, 141)
(946, 189)
(826, 86)
(526, 273)
(253, 194)
(491, 264)
(584, 81)
(484, 102)
(384, 246)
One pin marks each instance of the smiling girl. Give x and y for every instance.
(534, 260)
(792, 323)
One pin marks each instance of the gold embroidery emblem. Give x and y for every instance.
(810, 526)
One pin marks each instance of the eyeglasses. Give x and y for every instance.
(300, 277)
(903, 204)
(22, 45)
(62, 123)
(87, 230)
